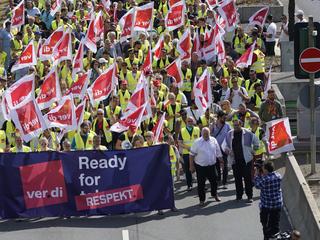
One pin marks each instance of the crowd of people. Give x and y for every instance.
(232, 128)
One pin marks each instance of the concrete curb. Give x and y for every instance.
(299, 201)
(247, 11)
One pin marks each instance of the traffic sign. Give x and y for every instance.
(309, 60)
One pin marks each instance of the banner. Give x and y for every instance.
(279, 137)
(84, 183)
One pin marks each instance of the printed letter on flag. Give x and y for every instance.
(80, 112)
(90, 39)
(126, 24)
(103, 85)
(28, 120)
(17, 19)
(77, 64)
(279, 136)
(228, 12)
(202, 92)
(79, 88)
(63, 50)
(27, 58)
(63, 115)
(259, 17)
(49, 90)
(143, 17)
(47, 47)
(175, 16)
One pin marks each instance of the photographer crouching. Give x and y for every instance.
(269, 182)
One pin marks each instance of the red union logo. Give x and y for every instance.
(49, 189)
(26, 58)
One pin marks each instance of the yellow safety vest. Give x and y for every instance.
(124, 98)
(258, 41)
(187, 85)
(200, 70)
(109, 113)
(262, 148)
(105, 127)
(2, 139)
(130, 62)
(25, 149)
(258, 101)
(204, 121)
(189, 139)
(240, 44)
(10, 132)
(54, 24)
(133, 80)
(80, 144)
(160, 63)
(173, 160)
(259, 65)
(171, 113)
(17, 46)
(250, 88)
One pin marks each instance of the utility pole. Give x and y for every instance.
(312, 103)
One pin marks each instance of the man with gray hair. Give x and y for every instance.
(203, 159)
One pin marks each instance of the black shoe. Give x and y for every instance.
(238, 199)
(174, 209)
(160, 212)
(189, 189)
(201, 204)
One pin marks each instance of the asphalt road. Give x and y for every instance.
(226, 220)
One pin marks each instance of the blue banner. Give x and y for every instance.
(49, 184)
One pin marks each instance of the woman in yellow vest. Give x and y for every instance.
(187, 137)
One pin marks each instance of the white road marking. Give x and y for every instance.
(310, 60)
(125, 235)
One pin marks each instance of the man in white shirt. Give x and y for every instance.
(284, 34)
(270, 36)
(300, 16)
(203, 159)
(236, 94)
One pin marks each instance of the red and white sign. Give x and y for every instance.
(18, 17)
(184, 45)
(77, 63)
(279, 137)
(158, 129)
(158, 47)
(103, 85)
(19, 92)
(143, 17)
(147, 64)
(63, 115)
(49, 90)
(49, 190)
(28, 120)
(174, 70)
(90, 39)
(246, 58)
(126, 24)
(55, 7)
(99, 26)
(259, 17)
(79, 88)
(47, 47)
(212, 3)
(202, 92)
(175, 16)
(27, 58)
(228, 12)
(80, 109)
(63, 50)
(310, 60)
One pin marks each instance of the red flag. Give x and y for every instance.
(173, 2)
(175, 16)
(21, 90)
(158, 47)
(202, 92)
(228, 12)
(208, 49)
(49, 90)
(63, 50)
(212, 3)
(246, 58)
(103, 85)
(77, 64)
(259, 17)
(143, 17)
(184, 45)
(18, 18)
(62, 116)
(79, 88)
(174, 70)
(55, 7)
(132, 121)
(90, 39)
(47, 47)
(99, 25)
(80, 112)
(220, 50)
(126, 24)
(196, 44)
(279, 136)
(158, 129)
(28, 120)
(27, 58)
(147, 65)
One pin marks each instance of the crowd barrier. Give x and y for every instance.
(51, 184)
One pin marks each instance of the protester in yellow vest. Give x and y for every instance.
(113, 111)
(124, 94)
(250, 83)
(57, 22)
(256, 99)
(83, 140)
(260, 134)
(97, 144)
(100, 127)
(149, 136)
(4, 144)
(187, 81)
(258, 63)
(43, 143)
(174, 156)
(20, 147)
(172, 109)
(187, 137)
(240, 41)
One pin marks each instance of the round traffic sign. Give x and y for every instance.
(310, 60)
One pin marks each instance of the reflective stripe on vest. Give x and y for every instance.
(2, 139)
(259, 65)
